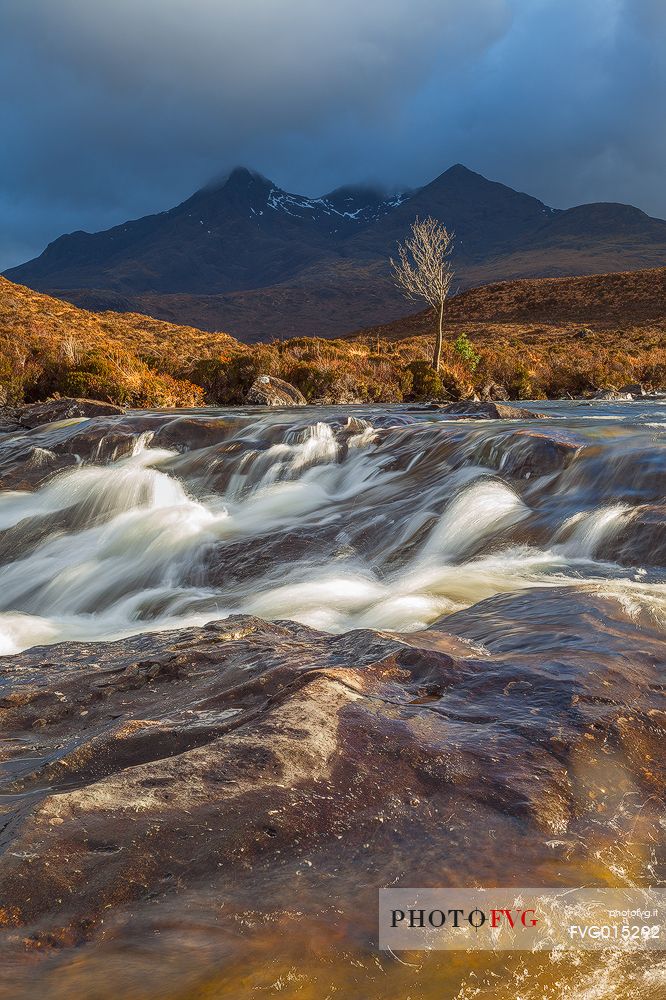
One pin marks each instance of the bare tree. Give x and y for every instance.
(423, 270)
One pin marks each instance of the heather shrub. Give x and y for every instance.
(426, 383)
(226, 382)
(316, 381)
(48, 346)
(652, 374)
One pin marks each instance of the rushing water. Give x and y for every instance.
(336, 518)
(517, 743)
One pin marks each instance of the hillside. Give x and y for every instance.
(535, 338)
(47, 345)
(615, 301)
(250, 258)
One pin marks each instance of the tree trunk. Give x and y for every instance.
(438, 339)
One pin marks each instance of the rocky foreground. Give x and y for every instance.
(269, 775)
(210, 811)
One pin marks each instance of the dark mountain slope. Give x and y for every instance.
(485, 216)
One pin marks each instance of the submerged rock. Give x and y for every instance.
(267, 390)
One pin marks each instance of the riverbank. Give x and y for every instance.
(49, 347)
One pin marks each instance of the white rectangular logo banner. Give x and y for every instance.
(521, 919)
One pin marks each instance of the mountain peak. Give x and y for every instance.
(239, 180)
(460, 168)
(462, 174)
(244, 177)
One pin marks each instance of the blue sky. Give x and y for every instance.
(116, 108)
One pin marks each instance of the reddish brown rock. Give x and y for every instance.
(253, 768)
(489, 410)
(527, 453)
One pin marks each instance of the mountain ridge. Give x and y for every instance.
(246, 256)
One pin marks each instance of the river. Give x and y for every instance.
(257, 664)
(377, 518)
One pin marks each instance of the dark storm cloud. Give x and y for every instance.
(114, 108)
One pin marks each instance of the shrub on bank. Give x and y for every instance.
(366, 372)
(426, 383)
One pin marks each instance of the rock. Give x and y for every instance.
(191, 432)
(489, 411)
(48, 412)
(31, 456)
(9, 420)
(528, 454)
(343, 398)
(613, 394)
(634, 476)
(639, 539)
(267, 390)
(493, 391)
(28, 467)
(256, 775)
(634, 388)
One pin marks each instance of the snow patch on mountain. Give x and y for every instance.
(349, 208)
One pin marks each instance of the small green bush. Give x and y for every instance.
(464, 349)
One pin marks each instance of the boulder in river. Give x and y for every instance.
(267, 390)
(493, 391)
(489, 410)
(66, 408)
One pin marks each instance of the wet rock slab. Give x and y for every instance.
(528, 453)
(258, 767)
(489, 410)
(641, 538)
(65, 408)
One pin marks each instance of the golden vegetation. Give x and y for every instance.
(599, 332)
(49, 346)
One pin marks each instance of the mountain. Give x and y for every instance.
(245, 256)
(243, 233)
